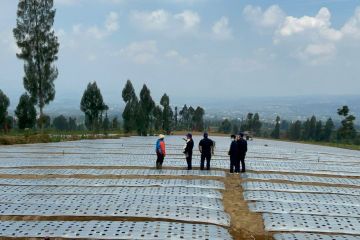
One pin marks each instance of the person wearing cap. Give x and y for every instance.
(206, 147)
(233, 153)
(160, 151)
(188, 150)
(242, 149)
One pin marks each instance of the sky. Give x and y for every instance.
(197, 49)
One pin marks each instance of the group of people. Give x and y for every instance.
(237, 152)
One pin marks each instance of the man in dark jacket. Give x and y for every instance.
(242, 149)
(233, 153)
(188, 151)
(206, 147)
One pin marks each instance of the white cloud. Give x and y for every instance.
(189, 18)
(315, 54)
(320, 24)
(271, 17)
(141, 52)
(161, 20)
(309, 38)
(110, 26)
(155, 20)
(352, 27)
(111, 23)
(221, 29)
(175, 55)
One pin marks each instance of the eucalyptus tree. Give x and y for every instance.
(39, 46)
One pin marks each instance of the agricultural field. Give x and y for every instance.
(109, 189)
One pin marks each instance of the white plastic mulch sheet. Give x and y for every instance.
(117, 172)
(168, 191)
(310, 198)
(283, 187)
(311, 223)
(305, 208)
(303, 178)
(196, 183)
(114, 200)
(113, 230)
(313, 236)
(190, 214)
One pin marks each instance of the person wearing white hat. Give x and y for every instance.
(160, 151)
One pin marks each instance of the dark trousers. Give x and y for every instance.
(189, 161)
(208, 158)
(159, 160)
(233, 161)
(242, 160)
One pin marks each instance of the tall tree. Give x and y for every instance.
(72, 124)
(225, 126)
(312, 128)
(249, 122)
(305, 135)
(276, 132)
(318, 131)
(131, 107)
(347, 130)
(115, 123)
(158, 118)
(106, 123)
(328, 130)
(199, 119)
(176, 118)
(92, 104)
(25, 112)
(4, 104)
(36, 39)
(147, 106)
(295, 131)
(256, 124)
(61, 123)
(184, 117)
(167, 113)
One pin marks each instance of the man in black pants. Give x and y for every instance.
(188, 151)
(206, 147)
(242, 149)
(233, 153)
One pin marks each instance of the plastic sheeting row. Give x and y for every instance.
(189, 214)
(113, 230)
(167, 191)
(198, 183)
(117, 172)
(115, 200)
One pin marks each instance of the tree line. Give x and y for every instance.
(143, 115)
(312, 129)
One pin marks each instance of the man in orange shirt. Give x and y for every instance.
(160, 151)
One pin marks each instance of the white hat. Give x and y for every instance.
(161, 136)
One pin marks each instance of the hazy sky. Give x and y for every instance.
(197, 49)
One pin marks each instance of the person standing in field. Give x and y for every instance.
(160, 151)
(188, 150)
(242, 149)
(206, 147)
(233, 153)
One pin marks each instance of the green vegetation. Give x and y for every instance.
(312, 130)
(145, 117)
(25, 112)
(92, 104)
(35, 37)
(4, 104)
